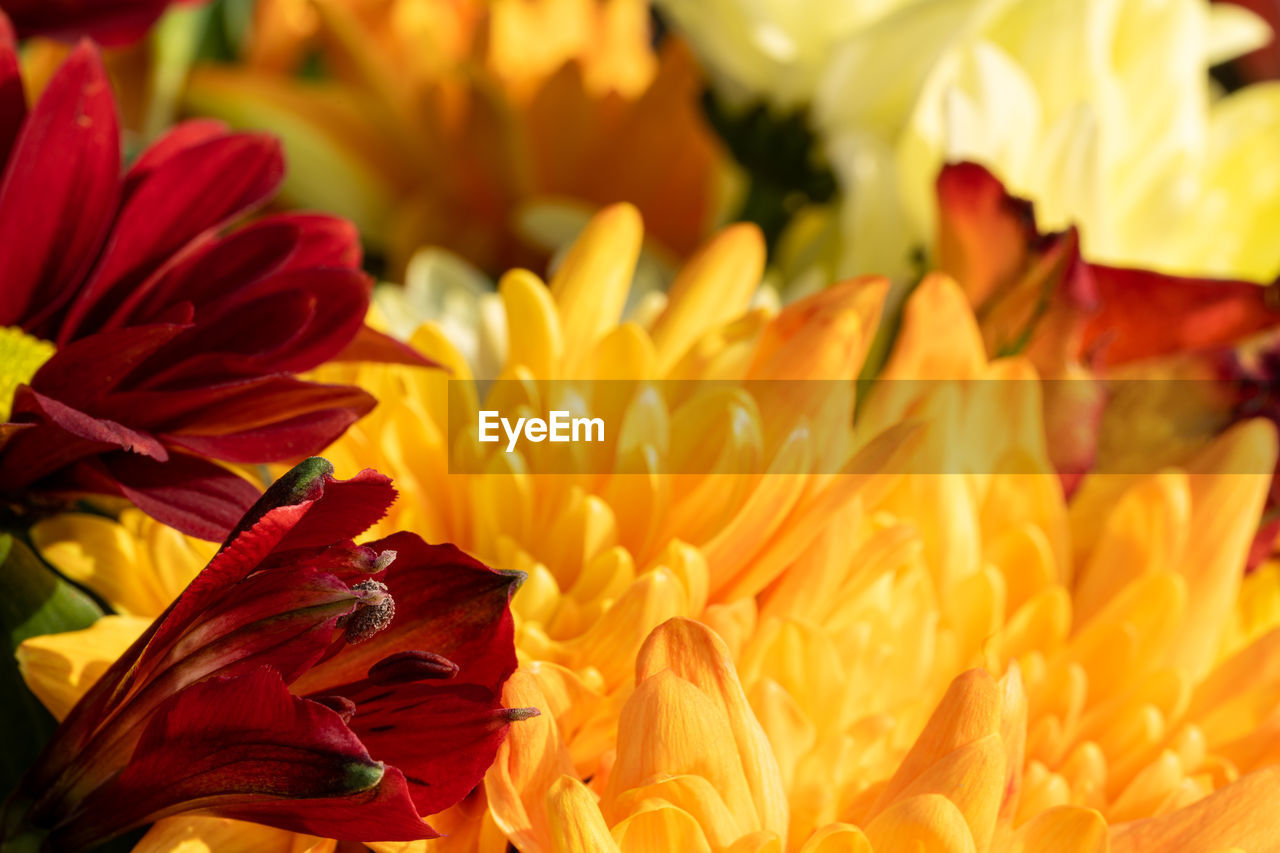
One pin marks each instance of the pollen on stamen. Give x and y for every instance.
(374, 612)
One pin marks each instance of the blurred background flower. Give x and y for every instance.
(1102, 113)
(105, 21)
(489, 129)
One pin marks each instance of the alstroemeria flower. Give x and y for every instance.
(139, 339)
(108, 21)
(300, 681)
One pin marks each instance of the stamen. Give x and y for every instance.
(410, 666)
(374, 612)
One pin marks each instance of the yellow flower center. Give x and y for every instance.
(21, 356)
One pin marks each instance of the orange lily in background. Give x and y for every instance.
(450, 122)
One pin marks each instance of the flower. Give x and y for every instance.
(905, 630)
(106, 21)
(960, 662)
(849, 603)
(446, 124)
(301, 681)
(774, 51)
(140, 340)
(1132, 147)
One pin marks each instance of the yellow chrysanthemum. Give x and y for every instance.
(818, 658)
(476, 126)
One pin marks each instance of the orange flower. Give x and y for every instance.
(475, 126)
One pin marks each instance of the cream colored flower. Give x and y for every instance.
(1100, 111)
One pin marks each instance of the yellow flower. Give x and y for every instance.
(447, 123)
(1099, 111)
(897, 636)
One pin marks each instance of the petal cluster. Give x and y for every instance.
(175, 341)
(301, 681)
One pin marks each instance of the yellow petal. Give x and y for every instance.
(1241, 814)
(575, 822)
(939, 338)
(694, 652)
(104, 556)
(969, 711)
(929, 822)
(218, 835)
(837, 838)
(1228, 487)
(713, 288)
(528, 764)
(60, 668)
(1066, 829)
(660, 827)
(590, 287)
(533, 338)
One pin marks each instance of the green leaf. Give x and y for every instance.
(34, 600)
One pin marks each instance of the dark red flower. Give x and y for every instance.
(107, 21)
(176, 340)
(300, 681)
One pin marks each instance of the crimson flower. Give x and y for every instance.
(301, 681)
(107, 21)
(139, 338)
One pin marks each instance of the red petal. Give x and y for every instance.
(442, 736)
(13, 100)
(195, 189)
(32, 404)
(109, 23)
(372, 345)
(209, 268)
(243, 746)
(193, 495)
(233, 406)
(300, 319)
(186, 135)
(1144, 314)
(462, 614)
(291, 438)
(327, 241)
(60, 190)
(984, 234)
(345, 510)
(108, 357)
